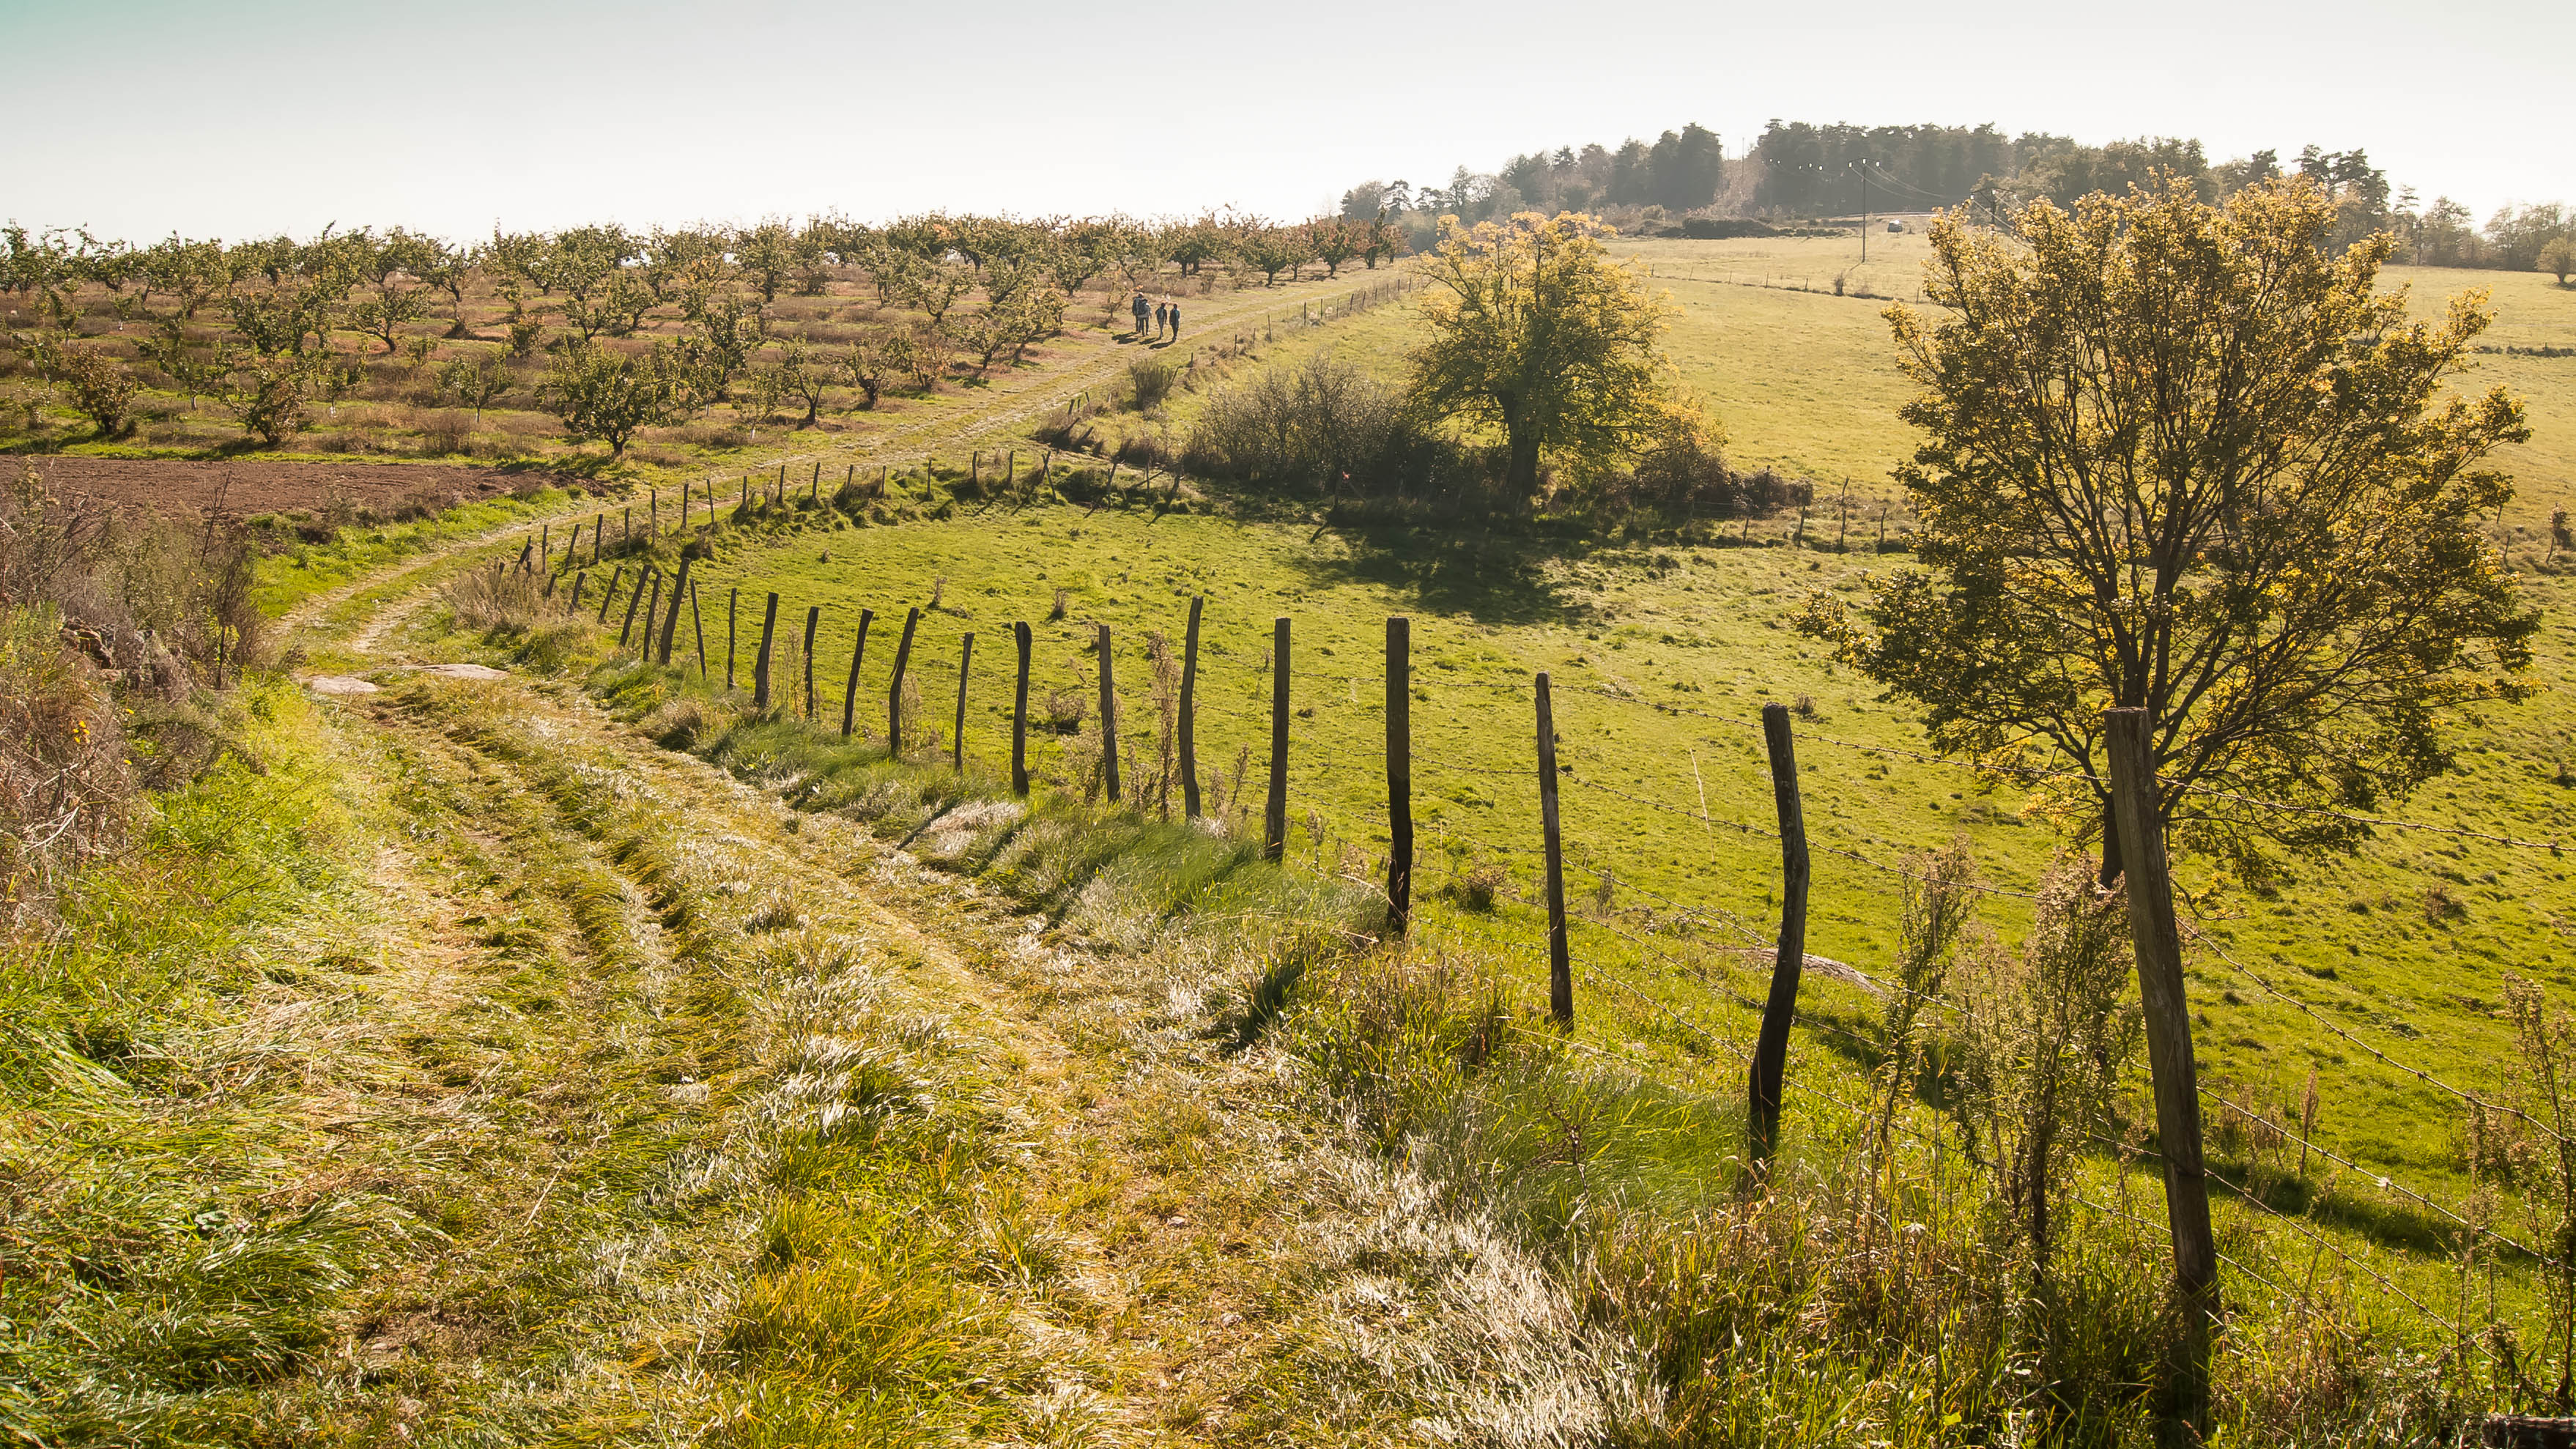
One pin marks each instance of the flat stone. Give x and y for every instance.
(464, 671)
(338, 684)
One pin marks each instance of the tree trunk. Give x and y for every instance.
(1521, 469)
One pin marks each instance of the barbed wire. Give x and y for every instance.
(2386, 1183)
(2203, 938)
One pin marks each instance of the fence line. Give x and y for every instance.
(1319, 694)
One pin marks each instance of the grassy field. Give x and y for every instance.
(1661, 660)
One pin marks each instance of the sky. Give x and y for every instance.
(137, 118)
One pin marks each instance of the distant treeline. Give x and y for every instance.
(1799, 170)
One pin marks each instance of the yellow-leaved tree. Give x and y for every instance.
(2189, 459)
(1538, 334)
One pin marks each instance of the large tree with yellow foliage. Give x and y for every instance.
(1537, 334)
(2184, 458)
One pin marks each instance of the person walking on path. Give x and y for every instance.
(1162, 311)
(1142, 309)
(1174, 320)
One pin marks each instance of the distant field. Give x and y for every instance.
(1806, 382)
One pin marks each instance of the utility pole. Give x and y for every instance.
(1862, 166)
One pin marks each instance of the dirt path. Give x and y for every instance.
(1162, 1207)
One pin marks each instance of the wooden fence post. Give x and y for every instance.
(760, 662)
(957, 734)
(733, 607)
(614, 575)
(2170, 1065)
(894, 692)
(814, 490)
(578, 581)
(671, 626)
(698, 623)
(1560, 960)
(572, 550)
(1020, 716)
(1274, 818)
(1189, 713)
(598, 532)
(813, 618)
(626, 529)
(850, 691)
(1399, 774)
(1780, 1010)
(1108, 720)
(632, 601)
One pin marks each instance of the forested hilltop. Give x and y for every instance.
(1682, 183)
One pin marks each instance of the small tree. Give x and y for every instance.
(476, 382)
(933, 286)
(1271, 250)
(266, 394)
(1334, 241)
(2181, 458)
(599, 394)
(806, 378)
(99, 387)
(865, 363)
(1540, 335)
(2559, 258)
(390, 309)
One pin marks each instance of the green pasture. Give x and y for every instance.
(1661, 659)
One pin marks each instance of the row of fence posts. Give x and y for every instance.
(2153, 929)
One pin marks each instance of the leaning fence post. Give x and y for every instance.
(1020, 716)
(1780, 1010)
(1560, 962)
(1399, 773)
(850, 691)
(614, 575)
(1108, 720)
(813, 618)
(652, 610)
(957, 734)
(733, 607)
(1274, 819)
(671, 626)
(760, 663)
(894, 692)
(632, 600)
(1189, 713)
(2170, 1065)
(578, 580)
(698, 623)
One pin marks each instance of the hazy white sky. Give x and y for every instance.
(257, 116)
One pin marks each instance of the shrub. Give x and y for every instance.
(65, 788)
(1152, 378)
(1316, 424)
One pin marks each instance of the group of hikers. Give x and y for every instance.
(1165, 315)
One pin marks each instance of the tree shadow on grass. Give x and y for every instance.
(1494, 576)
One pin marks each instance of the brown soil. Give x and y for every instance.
(184, 488)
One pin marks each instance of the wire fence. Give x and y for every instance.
(1235, 716)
